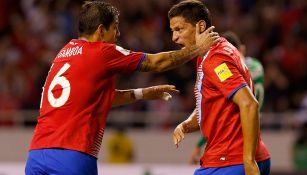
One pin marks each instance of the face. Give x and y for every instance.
(111, 35)
(183, 32)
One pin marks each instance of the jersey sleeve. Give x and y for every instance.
(120, 60)
(225, 75)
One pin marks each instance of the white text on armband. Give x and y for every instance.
(72, 51)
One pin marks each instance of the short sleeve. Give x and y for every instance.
(224, 74)
(120, 60)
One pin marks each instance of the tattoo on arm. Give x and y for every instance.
(145, 66)
(181, 56)
(168, 60)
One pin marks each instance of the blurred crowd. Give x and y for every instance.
(275, 32)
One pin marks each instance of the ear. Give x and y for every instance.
(202, 26)
(100, 30)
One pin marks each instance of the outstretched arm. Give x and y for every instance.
(167, 60)
(249, 115)
(162, 92)
(187, 126)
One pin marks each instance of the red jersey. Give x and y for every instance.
(78, 95)
(221, 73)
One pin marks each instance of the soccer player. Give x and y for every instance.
(257, 74)
(226, 110)
(80, 90)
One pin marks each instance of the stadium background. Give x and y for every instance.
(33, 31)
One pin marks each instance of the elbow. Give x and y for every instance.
(250, 104)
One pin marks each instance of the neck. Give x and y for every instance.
(83, 38)
(90, 38)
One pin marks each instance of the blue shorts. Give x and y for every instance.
(264, 167)
(60, 162)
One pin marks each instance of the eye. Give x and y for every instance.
(177, 29)
(180, 30)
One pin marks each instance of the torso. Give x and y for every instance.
(78, 95)
(221, 72)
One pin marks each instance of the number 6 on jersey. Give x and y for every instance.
(64, 83)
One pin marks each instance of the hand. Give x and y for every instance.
(194, 158)
(162, 92)
(207, 38)
(178, 134)
(251, 168)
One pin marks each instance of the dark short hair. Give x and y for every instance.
(192, 11)
(94, 13)
(232, 38)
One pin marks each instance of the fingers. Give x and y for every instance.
(167, 88)
(178, 135)
(214, 36)
(162, 92)
(166, 96)
(210, 29)
(176, 141)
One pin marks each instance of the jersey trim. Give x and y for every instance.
(143, 58)
(233, 92)
(199, 88)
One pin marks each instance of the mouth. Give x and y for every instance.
(182, 46)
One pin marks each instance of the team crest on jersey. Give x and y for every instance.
(223, 72)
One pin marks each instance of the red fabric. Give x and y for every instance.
(79, 123)
(218, 116)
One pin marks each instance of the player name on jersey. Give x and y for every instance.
(72, 51)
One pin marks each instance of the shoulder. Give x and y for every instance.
(114, 49)
(99, 45)
(223, 47)
(223, 50)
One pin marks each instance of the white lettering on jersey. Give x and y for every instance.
(73, 43)
(72, 51)
(61, 80)
(122, 50)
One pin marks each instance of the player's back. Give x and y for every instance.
(78, 94)
(72, 95)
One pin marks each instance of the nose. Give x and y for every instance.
(175, 37)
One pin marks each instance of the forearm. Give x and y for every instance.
(123, 97)
(167, 60)
(249, 116)
(186, 126)
(250, 127)
(161, 92)
(191, 124)
(164, 61)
